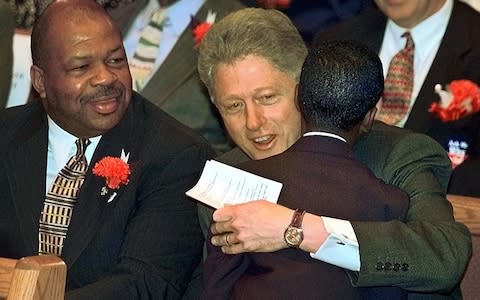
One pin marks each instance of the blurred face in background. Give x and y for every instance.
(409, 13)
(257, 103)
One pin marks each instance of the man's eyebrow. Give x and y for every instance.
(115, 49)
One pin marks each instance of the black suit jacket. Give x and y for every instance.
(6, 53)
(146, 242)
(458, 57)
(313, 168)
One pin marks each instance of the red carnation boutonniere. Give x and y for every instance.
(199, 29)
(115, 170)
(460, 99)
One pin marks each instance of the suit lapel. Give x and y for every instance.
(26, 163)
(88, 211)
(446, 67)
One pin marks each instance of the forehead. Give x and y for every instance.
(249, 73)
(89, 32)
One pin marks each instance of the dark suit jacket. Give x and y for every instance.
(458, 57)
(320, 175)
(176, 87)
(7, 27)
(435, 248)
(146, 242)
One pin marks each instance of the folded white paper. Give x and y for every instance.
(222, 184)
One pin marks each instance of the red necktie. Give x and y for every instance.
(397, 93)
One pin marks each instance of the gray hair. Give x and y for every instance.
(266, 33)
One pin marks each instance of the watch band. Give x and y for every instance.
(297, 218)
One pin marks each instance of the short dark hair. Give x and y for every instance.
(339, 83)
(77, 12)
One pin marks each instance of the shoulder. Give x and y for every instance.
(388, 149)
(355, 28)
(464, 22)
(14, 119)
(465, 10)
(222, 8)
(160, 135)
(233, 157)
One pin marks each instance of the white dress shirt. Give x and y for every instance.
(427, 36)
(61, 146)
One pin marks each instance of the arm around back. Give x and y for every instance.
(429, 252)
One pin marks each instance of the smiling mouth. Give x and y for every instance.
(105, 104)
(264, 139)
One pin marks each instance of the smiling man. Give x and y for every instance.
(138, 240)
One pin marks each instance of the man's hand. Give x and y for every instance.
(256, 226)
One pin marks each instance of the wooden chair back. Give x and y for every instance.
(33, 278)
(467, 211)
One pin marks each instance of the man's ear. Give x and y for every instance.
(297, 100)
(38, 80)
(367, 122)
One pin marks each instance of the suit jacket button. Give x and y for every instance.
(379, 266)
(404, 267)
(396, 267)
(388, 266)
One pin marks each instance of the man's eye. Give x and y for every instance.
(267, 99)
(234, 107)
(80, 67)
(117, 61)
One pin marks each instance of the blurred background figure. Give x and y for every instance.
(166, 74)
(312, 16)
(6, 51)
(27, 11)
(443, 45)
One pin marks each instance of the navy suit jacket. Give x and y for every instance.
(312, 169)
(146, 242)
(458, 57)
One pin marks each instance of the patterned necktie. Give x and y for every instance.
(143, 61)
(398, 85)
(58, 206)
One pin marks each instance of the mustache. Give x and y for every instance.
(103, 91)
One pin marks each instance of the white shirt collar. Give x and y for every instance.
(323, 133)
(62, 144)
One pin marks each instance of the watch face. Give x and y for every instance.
(293, 236)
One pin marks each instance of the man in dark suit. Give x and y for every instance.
(256, 100)
(134, 239)
(447, 48)
(333, 123)
(174, 85)
(7, 26)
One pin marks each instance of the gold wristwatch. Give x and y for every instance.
(294, 233)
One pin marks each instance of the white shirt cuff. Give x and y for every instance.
(341, 246)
